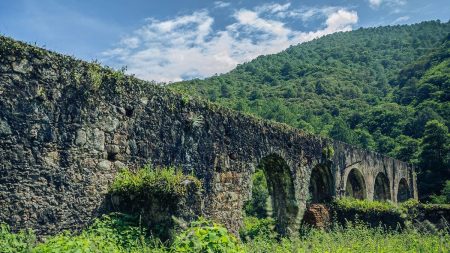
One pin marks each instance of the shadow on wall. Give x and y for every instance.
(403, 193)
(321, 185)
(355, 186)
(382, 191)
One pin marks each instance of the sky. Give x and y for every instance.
(173, 40)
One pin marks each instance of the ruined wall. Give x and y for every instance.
(66, 128)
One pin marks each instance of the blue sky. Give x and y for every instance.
(174, 40)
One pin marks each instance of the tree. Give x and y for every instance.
(433, 157)
(225, 91)
(364, 139)
(407, 149)
(434, 146)
(341, 132)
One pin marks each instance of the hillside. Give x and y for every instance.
(351, 86)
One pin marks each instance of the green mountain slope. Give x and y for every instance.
(424, 86)
(362, 87)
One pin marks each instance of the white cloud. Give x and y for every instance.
(221, 4)
(188, 47)
(375, 4)
(272, 8)
(400, 20)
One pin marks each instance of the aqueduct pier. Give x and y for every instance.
(67, 126)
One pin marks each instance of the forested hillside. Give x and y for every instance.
(385, 89)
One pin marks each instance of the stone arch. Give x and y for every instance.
(355, 186)
(321, 184)
(403, 192)
(282, 192)
(381, 190)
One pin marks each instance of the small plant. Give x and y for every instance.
(40, 92)
(328, 152)
(95, 74)
(206, 236)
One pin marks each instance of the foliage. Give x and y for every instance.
(364, 205)
(354, 237)
(22, 241)
(117, 233)
(257, 206)
(148, 180)
(205, 236)
(111, 233)
(444, 197)
(257, 227)
(434, 157)
(376, 88)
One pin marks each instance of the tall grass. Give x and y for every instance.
(354, 238)
(119, 234)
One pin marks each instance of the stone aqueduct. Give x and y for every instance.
(66, 128)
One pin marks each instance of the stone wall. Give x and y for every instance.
(67, 126)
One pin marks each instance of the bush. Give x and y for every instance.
(147, 180)
(365, 205)
(110, 233)
(15, 242)
(161, 197)
(206, 236)
(374, 213)
(255, 227)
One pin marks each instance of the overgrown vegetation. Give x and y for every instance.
(158, 181)
(118, 233)
(384, 89)
(162, 197)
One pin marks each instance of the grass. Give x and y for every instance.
(354, 238)
(119, 233)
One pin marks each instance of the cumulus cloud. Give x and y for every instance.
(188, 47)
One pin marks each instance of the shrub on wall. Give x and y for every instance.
(374, 213)
(157, 195)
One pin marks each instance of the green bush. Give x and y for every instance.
(205, 236)
(444, 197)
(161, 197)
(167, 181)
(366, 205)
(255, 227)
(111, 233)
(373, 213)
(15, 242)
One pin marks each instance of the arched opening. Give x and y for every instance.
(382, 190)
(403, 193)
(321, 184)
(274, 196)
(355, 186)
